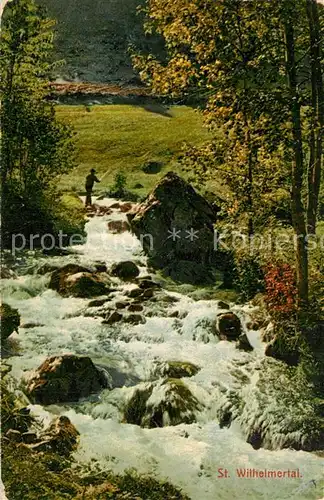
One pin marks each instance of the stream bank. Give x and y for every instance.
(236, 394)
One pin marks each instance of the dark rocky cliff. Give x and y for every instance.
(93, 37)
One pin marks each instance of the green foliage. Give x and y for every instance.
(249, 61)
(231, 62)
(27, 475)
(14, 415)
(44, 212)
(179, 369)
(68, 214)
(249, 276)
(119, 185)
(35, 146)
(312, 351)
(30, 475)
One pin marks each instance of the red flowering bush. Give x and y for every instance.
(280, 289)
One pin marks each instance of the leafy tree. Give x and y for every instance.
(305, 88)
(217, 50)
(35, 147)
(317, 116)
(249, 61)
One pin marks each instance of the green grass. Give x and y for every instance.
(121, 138)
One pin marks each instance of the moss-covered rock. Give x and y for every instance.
(162, 403)
(134, 319)
(223, 305)
(135, 308)
(176, 369)
(14, 413)
(78, 281)
(98, 302)
(64, 378)
(112, 318)
(10, 320)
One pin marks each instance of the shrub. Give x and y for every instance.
(281, 289)
(68, 215)
(24, 214)
(119, 186)
(14, 415)
(36, 148)
(249, 276)
(119, 190)
(44, 212)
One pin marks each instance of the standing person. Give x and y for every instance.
(90, 180)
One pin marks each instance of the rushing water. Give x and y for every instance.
(189, 456)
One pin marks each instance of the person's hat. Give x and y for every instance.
(93, 170)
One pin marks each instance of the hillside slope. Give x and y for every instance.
(122, 138)
(93, 37)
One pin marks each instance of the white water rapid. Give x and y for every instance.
(187, 455)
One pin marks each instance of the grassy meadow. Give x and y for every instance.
(122, 138)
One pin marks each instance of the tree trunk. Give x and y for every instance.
(250, 182)
(297, 174)
(316, 139)
(250, 197)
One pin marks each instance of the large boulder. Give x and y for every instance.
(64, 378)
(162, 403)
(114, 317)
(10, 320)
(85, 285)
(229, 326)
(135, 319)
(186, 271)
(78, 281)
(125, 270)
(175, 224)
(58, 276)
